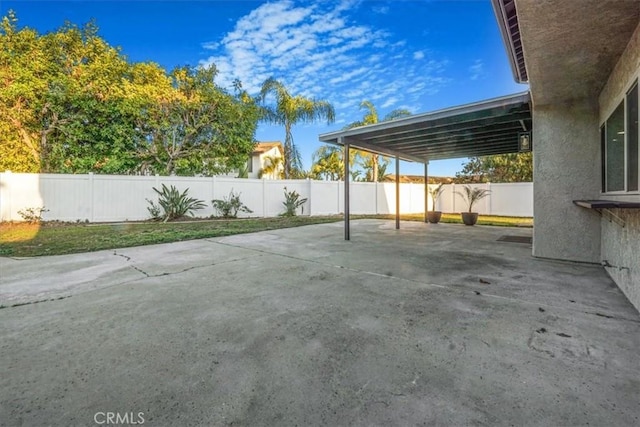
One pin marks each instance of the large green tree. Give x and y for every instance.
(370, 161)
(289, 110)
(71, 103)
(200, 129)
(514, 167)
(22, 68)
(60, 92)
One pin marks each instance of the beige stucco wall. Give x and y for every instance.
(624, 73)
(258, 162)
(566, 168)
(621, 244)
(621, 249)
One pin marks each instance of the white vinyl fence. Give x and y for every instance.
(104, 198)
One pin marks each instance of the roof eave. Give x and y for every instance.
(519, 73)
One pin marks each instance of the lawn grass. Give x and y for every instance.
(454, 218)
(27, 240)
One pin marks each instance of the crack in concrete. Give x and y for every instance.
(20, 304)
(126, 282)
(140, 270)
(128, 258)
(171, 273)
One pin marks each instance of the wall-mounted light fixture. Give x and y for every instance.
(524, 141)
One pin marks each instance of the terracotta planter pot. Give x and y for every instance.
(434, 216)
(469, 218)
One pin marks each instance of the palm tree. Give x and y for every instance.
(328, 163)
(371, 161)
(288, 111)
(472, 195)
(272, 167)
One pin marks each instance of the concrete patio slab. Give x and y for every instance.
(431, 324)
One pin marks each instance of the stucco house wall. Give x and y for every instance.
(620, 246)
(259, 158)
(580, 63)
(566, 160)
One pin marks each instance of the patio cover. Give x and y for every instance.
(480, 129)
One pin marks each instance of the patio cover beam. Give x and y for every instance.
(347, 227)
(426, 190)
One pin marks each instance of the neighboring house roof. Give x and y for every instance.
(419, 179)
(263, 147)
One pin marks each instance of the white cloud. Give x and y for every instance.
(418, 87)
(319, 50)
(476, 70)
(390, 102)
(210, 45)
(348, 76)
(382, 10)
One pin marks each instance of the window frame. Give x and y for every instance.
(634, 86)
(621, 99)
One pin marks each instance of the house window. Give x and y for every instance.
(250, 165)
(619, 140)
(632, 138)
(614, 154)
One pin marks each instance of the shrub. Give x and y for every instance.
(229, 206)
(435, 193)
(172, 204)
(292, 202)
(32, 215)
(472, 195)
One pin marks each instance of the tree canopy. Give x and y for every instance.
(71, 103)
(328, 163)
(515, 167)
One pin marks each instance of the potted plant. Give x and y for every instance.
(433, 216)
(471, 196)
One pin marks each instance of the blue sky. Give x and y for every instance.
(419, 55)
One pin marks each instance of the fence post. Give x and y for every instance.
(453, 197)
(264, 197)
(6, 195)
(375, 198)
(489, 204)
(309, 198)
(91, 197)
(214, 187)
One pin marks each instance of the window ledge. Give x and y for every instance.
(606, 204)
(603, 208)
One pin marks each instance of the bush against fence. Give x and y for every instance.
(105, 198)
